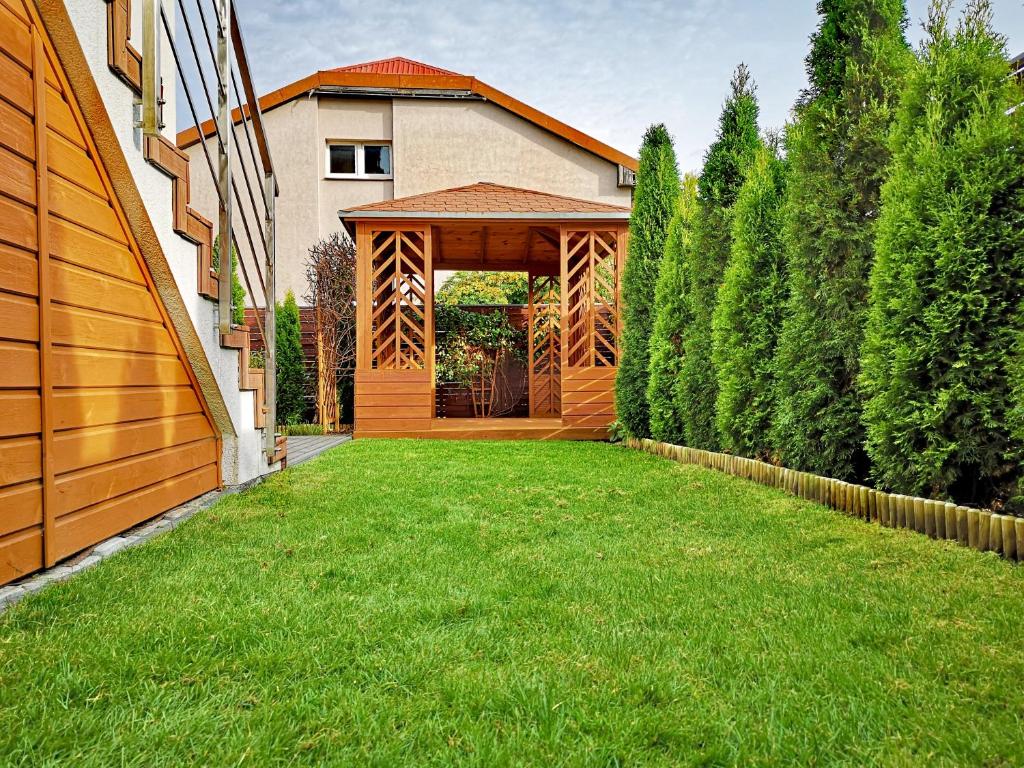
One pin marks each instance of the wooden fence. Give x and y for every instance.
(979, 529)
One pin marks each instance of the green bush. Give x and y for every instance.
(945, 304)
(291, 370)
(749, 311)
(238, 293)
(654, 202)
(672, 312)
(837, 156)
(724, 167)
(484, 288)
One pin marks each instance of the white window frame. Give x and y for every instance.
(360, 147)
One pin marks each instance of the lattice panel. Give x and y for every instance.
(592, 289)
(545, 346)
(398, 300)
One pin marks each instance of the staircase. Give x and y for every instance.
(127, 63)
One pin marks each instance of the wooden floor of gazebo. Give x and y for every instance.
(506, 429)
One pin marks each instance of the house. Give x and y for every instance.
(393, 128)
(124, 387)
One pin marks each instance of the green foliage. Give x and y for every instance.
(654, 202)
(945, 306)
(295, 430)
(469, 343)
(238, 293)
(720, 180)
(291, 371)
(749, 311)
(484, 288)
(837, 156)
(672, 315)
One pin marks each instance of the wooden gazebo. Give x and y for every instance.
(573, 251)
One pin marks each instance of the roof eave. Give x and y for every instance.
(487, 215)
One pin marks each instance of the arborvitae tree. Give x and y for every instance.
(238, 293)
(654, 202)
(670, 322)
(291, 371)
(724, 167)
(945, 305)
(837, 155)
(749, 312)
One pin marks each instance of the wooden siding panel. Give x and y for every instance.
(20, 412)
(19, 365)
(103, 424)
(79, 448)
(19, 318)
(93, 485)
(19, 271)
(20, 460)
(73, 409)
(88, 328)
(74, 367)
(80, 529)
(21, 506)
(91, 290)
(17, 135)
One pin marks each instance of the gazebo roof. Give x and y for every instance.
(485, 200)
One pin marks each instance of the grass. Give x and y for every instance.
(437, 603)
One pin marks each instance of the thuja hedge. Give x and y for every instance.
(654, 202)
(939, 360)
(900, 359)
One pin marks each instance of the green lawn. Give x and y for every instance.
(519, 603)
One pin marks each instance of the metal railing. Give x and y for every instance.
(217, 80)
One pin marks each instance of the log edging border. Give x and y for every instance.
(980, 529)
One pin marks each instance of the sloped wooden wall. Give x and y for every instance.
(103, 424)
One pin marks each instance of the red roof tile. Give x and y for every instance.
(396, 65)
(487, 199)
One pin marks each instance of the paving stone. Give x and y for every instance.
(110, 546)
(10, 595)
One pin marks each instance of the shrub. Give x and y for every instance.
(484, 288)
(671, 318)
(291, 371)
(654, 201)
(945, 305)
(837, 155)
(749, 311)
(720, 180)
(238, 293)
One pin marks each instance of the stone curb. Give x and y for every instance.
(13, 593)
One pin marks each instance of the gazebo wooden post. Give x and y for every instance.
(394, 328)
(592, 258)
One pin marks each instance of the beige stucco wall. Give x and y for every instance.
(450, 143)
(436, 144)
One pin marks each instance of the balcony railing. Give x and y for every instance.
(215, 79)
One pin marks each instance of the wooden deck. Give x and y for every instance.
(495, 429)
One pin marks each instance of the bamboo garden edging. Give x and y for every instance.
(979, 529)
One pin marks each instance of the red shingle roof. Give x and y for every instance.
(396, 65)
(488, 199)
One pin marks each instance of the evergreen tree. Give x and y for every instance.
(671, 318)
(291, 370)
(238, 293)
(654, 202)
(724, 167)
(837, 155)
(749, 311)
(945, 306)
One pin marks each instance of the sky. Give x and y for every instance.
(609, 68)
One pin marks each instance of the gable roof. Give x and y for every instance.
(396, 65)
(397, 75)
(486, 200)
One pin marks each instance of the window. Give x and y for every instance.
(351, 160)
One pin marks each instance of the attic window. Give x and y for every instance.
(353, 160)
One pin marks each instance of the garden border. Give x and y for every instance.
(980, 529)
